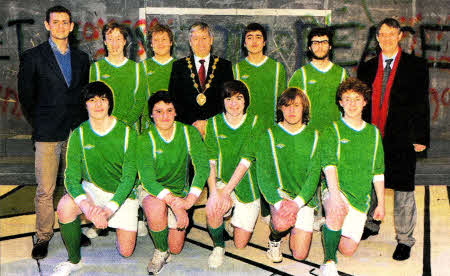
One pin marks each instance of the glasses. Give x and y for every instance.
(321, 42)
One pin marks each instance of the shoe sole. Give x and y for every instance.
(273, 261)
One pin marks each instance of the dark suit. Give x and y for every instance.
(48, 104)
(53, 109)
(407, 123)
(181, 88)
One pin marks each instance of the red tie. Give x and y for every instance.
(201, 73)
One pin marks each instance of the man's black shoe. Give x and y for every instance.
(84, 241)
(367, 233)
(402, 252)
(40, 249)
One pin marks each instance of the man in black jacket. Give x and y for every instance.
(196, 80)
(400, 109)
(50, 79)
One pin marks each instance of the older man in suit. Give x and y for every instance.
(196, 79)
(400, 109)
(50, 79)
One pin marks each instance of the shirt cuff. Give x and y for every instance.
(378, 177)
(300, 202)
(195, 191)
(163, 194)
(80, 198)
(245, 162)
(277, 205)
(112, 205)
(329, 167)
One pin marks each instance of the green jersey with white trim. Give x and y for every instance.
(288, 164)
(163, 164)
(225, 144)
(128, 83)
(358, 156)
(321, 88)
(158, 77)
(265, 83)
(108, 161)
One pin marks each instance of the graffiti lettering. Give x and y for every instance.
(18, 24)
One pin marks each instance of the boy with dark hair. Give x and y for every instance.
(99, 178)
(264, 76)
(320, 78)
(352, 158)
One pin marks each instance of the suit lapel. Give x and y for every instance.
(210, 65)
(52, 62)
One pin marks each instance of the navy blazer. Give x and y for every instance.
(182, 90)
(49, 105)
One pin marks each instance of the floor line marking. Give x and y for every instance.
(242, 259)
(426, 271)
(11, 192)
(262, 248)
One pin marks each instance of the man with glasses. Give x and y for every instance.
(320, 79)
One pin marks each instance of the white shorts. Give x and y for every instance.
(305, 219)
(125, 217)
(245, 215)
(354, 222)
(171, 218)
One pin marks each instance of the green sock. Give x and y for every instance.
(71, 235)
(161, 239)
(217, 235)
(331, 241)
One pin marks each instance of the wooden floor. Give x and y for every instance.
(430, 255)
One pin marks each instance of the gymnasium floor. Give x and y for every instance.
(430, 255)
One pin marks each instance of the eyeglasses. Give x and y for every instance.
(321, 42)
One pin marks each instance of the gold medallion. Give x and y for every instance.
(201, 99)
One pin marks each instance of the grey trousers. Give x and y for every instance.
(405, 216)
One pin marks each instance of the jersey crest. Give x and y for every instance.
(312, 81)
(280, 146)
(89, 146)
(106, 76)
(150, 73)
(222, 136)
(159, 151)
(344, 141)
(244, 77)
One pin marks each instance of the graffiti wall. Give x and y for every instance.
(425, 24)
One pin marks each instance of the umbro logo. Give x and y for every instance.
(222, 136)
(312, 81)
(280, 146)
(105, 76)
(344, 141)
(89, 146)
(244, 77)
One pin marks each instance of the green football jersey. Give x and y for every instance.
(163, 164)
(358, 156)
(265, 83)
(225, 145)
(129, 85)
(108, 161)
(321, 88)
(288, 164)
(158, 77)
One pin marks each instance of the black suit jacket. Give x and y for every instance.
(49, 105)
(408, 119)
(181, 88)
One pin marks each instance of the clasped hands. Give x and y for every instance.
(179, 207)
(98, 215)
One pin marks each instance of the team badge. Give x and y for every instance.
(280, 146)
(159, 151)
(312, 81)
(222, 136)
(244, 77)
(106, 76)
(344, 141)
(150, 73)
(89, 146)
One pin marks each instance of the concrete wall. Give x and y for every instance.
(425, 22)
